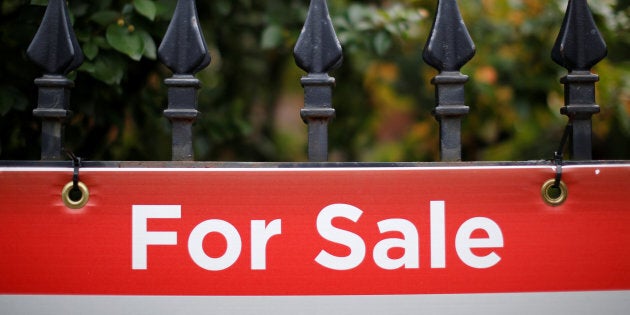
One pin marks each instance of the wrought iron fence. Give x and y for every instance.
(449, 47)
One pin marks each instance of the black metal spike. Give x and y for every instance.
(318, 49)
(317, 52)
(184, 49)
(579, 47)
(185, 52)
(448, 49)
(449, 46)
(55, 47)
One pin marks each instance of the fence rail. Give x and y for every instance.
(55, 49)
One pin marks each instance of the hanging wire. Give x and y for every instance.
(76, 164)
(558, 156)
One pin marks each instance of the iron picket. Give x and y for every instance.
(318, 52)
(448, 49)
(579, 47)
(185, 52)
(56, 50)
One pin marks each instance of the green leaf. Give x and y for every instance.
(101, 42)
(272, 37)
(164, 10)
(90, 50)
(105, 18)
(125, 41)
(150, 48)
(382, 43)
(146, 8)
(357, 13)
(107, 69)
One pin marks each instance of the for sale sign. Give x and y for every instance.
(314, 232)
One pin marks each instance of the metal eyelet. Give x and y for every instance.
(75, 197)
(552, 195)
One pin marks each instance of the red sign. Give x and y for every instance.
(314, 231)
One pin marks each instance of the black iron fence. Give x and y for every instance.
(449, 47)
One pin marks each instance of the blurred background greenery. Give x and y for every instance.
(251, 93)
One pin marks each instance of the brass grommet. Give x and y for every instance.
(554, 196)
(73, 198)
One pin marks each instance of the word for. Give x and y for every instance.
(262, 232)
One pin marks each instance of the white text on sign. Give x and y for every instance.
(262, 232)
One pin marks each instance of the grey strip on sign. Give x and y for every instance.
(599, 303)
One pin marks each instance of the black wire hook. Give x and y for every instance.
(558, 155)
(75, 195)
(76, 164)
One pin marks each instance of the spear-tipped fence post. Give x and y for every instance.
(448, 49)
(579, 48)
(185, 52)
(318, 52)
(56, 50)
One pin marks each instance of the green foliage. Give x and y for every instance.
(251, 93)
(146, 8)
(375, 28)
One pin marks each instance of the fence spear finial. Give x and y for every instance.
(448, 49)
(56, 50)
(184, 51)
(580, 45)
(449, 46)
(55, 47)
(578, 48)
(318, 52)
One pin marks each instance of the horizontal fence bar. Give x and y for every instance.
(288, 165)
